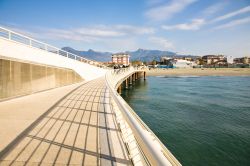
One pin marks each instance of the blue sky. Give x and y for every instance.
(195, 27)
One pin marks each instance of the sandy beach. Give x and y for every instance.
(200, 72)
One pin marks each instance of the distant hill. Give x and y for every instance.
(91, 54)
(149, 55)
(140, 54)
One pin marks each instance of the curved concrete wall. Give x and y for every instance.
(18, 78)
(24, 52)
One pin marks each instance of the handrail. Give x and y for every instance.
(14, 36)
(154, 150)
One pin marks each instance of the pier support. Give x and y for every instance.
(133, 76)
(126, 82)
(130, 80)
(144, 75)
(120, 89)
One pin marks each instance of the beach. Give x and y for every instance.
(200, 72)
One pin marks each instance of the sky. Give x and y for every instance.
(194, 27)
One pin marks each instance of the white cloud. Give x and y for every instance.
(113, 31)
(161, 43)
(166, 11)
(88, 34)
(232, 14)
(194, 25)
(234, 23)
(214, 8)
(128, 29)
(98, 32)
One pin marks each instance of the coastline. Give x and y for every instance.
(200, 72)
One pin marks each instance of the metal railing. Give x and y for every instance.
(152, 148)
(19, 38)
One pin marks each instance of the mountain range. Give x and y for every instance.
(140, 54)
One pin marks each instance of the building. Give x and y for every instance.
(180, 63)
(121, 58)
(214, 59)
(177, 62)
(242, 60)
(165, 60)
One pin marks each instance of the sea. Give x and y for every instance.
(202, 120)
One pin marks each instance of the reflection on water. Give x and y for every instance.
(202, 120)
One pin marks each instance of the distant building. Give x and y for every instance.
(165, 60)
(121, 58)
(230, 59)
(242, 60)
(214, 59)
(178, 62)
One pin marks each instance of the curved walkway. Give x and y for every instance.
(79, 130)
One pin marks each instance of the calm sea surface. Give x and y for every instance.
(201, 120)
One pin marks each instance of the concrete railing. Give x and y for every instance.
(153, 150)
(13, 36)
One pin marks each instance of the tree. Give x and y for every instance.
(154, 62)
(136, 63)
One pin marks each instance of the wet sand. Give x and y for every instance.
(200, 72)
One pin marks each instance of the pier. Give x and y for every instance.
(85, 122)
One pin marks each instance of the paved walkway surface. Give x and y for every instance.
(79, 130)
(19, 113)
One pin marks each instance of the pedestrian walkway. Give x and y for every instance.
(80, 130)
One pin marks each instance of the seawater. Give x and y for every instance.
(201, 120)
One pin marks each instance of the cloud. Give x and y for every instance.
(166, 11)
(161, 43)
(194, 25)
(234, 23)
(128, 29)
(232, 14)
(214, 8)
(98, 32)
(88, 34)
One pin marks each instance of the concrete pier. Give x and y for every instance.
(79, 130)
(80, 124)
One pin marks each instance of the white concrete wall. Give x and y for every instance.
(24, 52)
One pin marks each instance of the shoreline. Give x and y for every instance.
(199, 72)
